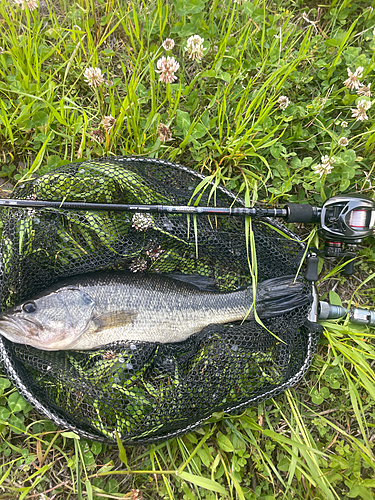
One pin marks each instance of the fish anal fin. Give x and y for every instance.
(113, 319)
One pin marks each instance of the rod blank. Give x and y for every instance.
(175, 209)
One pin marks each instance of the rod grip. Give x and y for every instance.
(301, 213)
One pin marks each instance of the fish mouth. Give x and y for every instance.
(28, 332)
(20, 330)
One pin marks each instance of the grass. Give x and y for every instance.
(317, 440)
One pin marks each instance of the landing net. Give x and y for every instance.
(145, 391)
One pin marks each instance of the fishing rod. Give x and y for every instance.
(351, 216)
(345, 220)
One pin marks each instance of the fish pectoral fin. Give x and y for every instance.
(113, 319)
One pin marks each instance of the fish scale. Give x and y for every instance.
(166, 310)
(88, 311)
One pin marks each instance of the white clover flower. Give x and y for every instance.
(98, 135)
(141, 222)
(283, 102)
(364, 90)
(154, 253)
(325, 167)
(344, 124)
(108, 123)
(93, 77)
(353, 81)
(360, 113)
(364, 105)
(194, 47)
(31, 4)
(343, 142)
(164, 133)
(322, 169)
(167, 67)
(168, 44)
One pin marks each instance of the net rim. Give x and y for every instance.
(18, 380)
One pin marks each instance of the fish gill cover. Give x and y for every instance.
(148, 391)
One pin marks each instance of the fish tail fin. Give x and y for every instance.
(277, 296)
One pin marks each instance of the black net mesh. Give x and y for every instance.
(146, 391)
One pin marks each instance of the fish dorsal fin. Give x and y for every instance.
(113, 319)
(203, 283)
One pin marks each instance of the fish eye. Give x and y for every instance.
(29, 307)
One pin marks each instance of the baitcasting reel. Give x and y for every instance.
(345, 220)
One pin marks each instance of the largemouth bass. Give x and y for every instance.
(95, 309)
